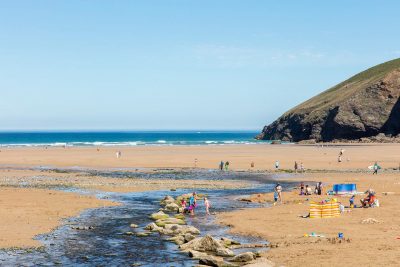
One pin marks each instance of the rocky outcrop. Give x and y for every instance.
(363, 106)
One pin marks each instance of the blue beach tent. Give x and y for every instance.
(344, 189)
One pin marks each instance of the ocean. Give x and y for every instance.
(128, 138)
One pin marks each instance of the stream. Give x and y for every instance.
(107, 245)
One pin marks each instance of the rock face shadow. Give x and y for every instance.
(392, 125)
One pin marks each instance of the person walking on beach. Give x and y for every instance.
(192, 203)
(118, 154)
(207, 205)
(277, 164)
(376, 168)
(226, 166)
(301, 167)
(296, 167)
(221, 165)
(278, 190)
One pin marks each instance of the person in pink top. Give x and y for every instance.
(207, 205)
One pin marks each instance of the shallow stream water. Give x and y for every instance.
(107, 245)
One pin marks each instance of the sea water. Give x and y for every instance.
(127, 138)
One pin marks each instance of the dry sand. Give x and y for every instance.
(375, 244)
(240, 156)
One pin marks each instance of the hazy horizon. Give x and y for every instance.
(158, 65)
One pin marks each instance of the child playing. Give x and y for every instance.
(351, 200)
(183, 205)
(207, 205)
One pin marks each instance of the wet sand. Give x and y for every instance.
(27, 212)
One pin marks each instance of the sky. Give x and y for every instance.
(179, 65)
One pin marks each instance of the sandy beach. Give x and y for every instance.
(240, 156)
(375, 243)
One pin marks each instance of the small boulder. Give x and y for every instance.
(244, 257)
(189, 237)
(179, 240)
(229, 242)
(134, 225)
(167, 200)
(171, 207)
(152, 227)
(206, 243)
(163, 222)
(224, 252)
(159, 215)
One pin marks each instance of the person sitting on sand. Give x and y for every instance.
(278, 190)
(308, 190)
(302, 189)
(369, 200)
(207, 205)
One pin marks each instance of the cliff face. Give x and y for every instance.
(365, 105)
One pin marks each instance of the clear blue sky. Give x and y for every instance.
(181, 64)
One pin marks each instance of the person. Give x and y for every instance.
(252, 164)
(276, 196)
(278, 190)
(308, 190)
(376, 168)
(296, 166)
(339, 158)
(277, 164)
(318, 188)
(341, 152)
(195, 162)
(221, 165)
(351, 201)
(192, 203)
(183, 205)
(301, 167)
(369, 200)
(118, 154)
(226, 166)
(207, 205)
(301, 188)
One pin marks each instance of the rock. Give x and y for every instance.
(133, 225)
(207, 244)
(214, 261)
(175, 229)
(153, 227)
(82, 227)
(159, 215)
(229, 242)
(189, 237)
(163, 222)
(142, 234)
(224, 252)
(167, 200)
(171, 207)
(128, 233)
(180, 216)
(244, 257)
(197, 255)
(364, 108)
(179, 240)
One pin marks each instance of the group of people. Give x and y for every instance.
(298, 167)
(192, 205)
(318, 190)
(223, 165)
